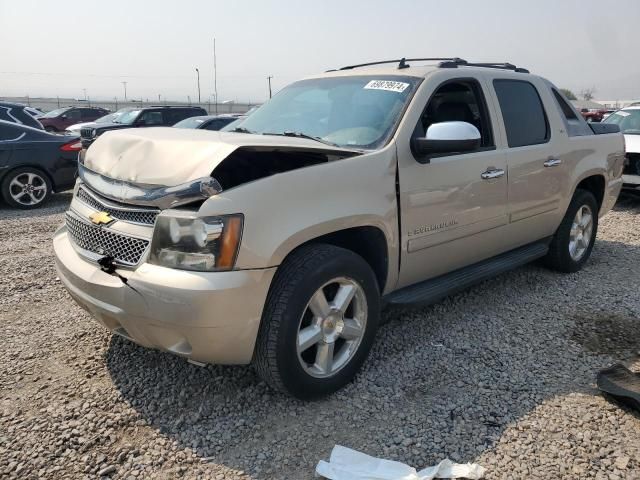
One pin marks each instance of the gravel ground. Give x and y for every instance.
(502, 375)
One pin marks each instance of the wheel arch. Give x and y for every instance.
(368, 241)
(594, 182)
(8, 171)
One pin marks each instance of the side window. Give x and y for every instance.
(525, 120)
(216, 124)
(574, 123)
(151, 117)
(175, 115)
(87, 113)
(73, 114)
(458, 100)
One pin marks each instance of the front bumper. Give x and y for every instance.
(210, 317)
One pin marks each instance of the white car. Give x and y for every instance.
(629, 121)
(109, 118)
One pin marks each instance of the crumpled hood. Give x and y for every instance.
(172, 156)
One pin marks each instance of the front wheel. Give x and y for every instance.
(319, 321)
(573, 241)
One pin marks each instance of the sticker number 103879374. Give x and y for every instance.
(388, 85)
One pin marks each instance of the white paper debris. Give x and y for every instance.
(347, 464)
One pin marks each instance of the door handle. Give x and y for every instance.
(493, 173)
(552, 162)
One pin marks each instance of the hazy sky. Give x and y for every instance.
(50, 48)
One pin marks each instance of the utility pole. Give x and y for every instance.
(198, 74)
(58, 97)
(116, 99)
(159, 101)
(269, 80)
(85, 94)
(125, 90)
(215, 74)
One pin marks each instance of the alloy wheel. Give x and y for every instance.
(580, 234)
(332, 327)
(28, 188)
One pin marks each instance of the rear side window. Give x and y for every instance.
(176, 115)
(524, 117)
(575, 124)
(567, 111)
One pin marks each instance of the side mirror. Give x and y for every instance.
(141, 123)
(447, 137)
(64, 116)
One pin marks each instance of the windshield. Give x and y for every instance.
(353, 111)
(192, 122)
(55, 113)
(108, 118)
(127, 117)
(628, 120)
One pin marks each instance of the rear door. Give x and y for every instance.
(452, 212)
(536, 172)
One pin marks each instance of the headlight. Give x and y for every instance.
(94, 132)
(188, 242)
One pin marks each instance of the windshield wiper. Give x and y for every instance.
(289, 133)
(241, 130)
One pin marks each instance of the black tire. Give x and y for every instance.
(559, 257)
(301, 275)
(42, 183)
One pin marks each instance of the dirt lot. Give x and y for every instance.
(502, 375)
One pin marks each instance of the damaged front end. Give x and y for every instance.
(158, 196)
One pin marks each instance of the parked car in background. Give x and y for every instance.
(154, 116)
(109, 118)
(277, 242)
(16, 113)
(208, 122)
(59, 119)
(592, 115)
(35, 163)
(628, 119)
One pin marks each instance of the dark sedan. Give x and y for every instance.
(207, 122)
(34, 163)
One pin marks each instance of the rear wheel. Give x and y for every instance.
(573, 241)
(26, 188)
(319, 321)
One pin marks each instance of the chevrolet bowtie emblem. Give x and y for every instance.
(101, 218)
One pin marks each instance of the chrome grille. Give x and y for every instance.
(124, 249)
(126, 214)
(86, 132)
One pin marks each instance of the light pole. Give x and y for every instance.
(125, 90)
(85, 94)
(215, 74)
(269, 80)
(198, 74)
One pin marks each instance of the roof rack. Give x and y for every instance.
(402, 62)
(449, 62)
(455, 63)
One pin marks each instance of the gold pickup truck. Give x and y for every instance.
(277, 241)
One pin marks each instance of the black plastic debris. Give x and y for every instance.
(622, 384)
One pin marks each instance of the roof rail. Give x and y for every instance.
(459, 62)
(402, 62)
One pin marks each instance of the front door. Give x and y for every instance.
(453, 206)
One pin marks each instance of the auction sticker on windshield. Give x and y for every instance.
(386, 85)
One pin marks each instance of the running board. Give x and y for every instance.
(430, 291)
